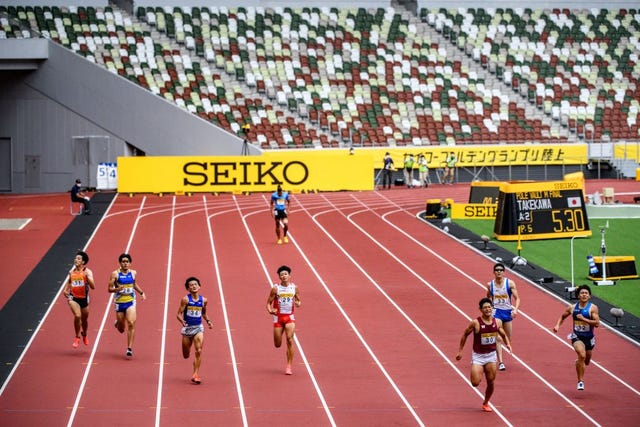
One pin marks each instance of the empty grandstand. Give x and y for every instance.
(87, 81)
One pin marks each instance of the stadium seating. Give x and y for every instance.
(309, 77)
(578, 67)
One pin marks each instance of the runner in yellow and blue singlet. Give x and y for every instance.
(123, 283)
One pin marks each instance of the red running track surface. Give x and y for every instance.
(385, 298)
(48, 216)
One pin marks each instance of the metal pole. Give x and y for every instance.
(572, 282)
(603, 248)
(572, 276)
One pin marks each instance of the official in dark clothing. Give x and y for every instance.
(79, 196)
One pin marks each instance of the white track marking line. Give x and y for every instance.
(296, 339)
(392, 255)
(354, 328)
(480, 284)
(107, 310)
(223, 306)
(51, 305)
(167, 285)
(394, 304)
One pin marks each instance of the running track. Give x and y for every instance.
(385, 298)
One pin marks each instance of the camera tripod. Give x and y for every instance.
(245, 147)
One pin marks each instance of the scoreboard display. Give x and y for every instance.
(541, 210)
(484, 192)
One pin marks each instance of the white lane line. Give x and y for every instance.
(51, 305)
(167, 285)
(417, 276)
(223, 306)
(107, 310)
(363, 341)
(521, 313)
(297, 341)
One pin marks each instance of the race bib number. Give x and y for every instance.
(579, 326)
(488, 339)
(194, 311)
(285, 302)
(501, 300)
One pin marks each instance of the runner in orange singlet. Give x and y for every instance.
(76, 291)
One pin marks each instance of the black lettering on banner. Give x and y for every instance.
(232, 173)
(480, 211)
(269, 172)
(245, 173)
(286, 173)
(191, 170)
(222, 170)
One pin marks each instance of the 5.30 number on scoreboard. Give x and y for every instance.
(541, 210)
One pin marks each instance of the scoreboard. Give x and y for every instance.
(541, 210)
(484, 192)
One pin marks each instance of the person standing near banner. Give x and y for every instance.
(423, 171)
(387, 170)
(450, 169)
(408, 169)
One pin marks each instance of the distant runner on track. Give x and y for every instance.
(280, 212)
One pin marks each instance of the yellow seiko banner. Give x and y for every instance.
(295, 170)
(473, 211)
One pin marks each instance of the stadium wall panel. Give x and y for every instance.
(45, 112)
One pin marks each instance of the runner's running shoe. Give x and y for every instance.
(486, 408)
(195, 379)
(580, 385)
(288, 370)
(501, 367)
(286, 239)
(76, 342)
